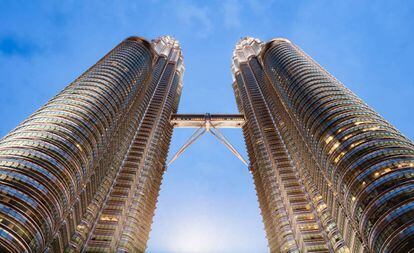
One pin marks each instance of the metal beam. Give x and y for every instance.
(200, 120)
(220, 136)
(207, 123)
(197, 134)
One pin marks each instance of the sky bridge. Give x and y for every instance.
(207, 122)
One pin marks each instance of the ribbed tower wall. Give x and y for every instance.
(84, 171)
(53, 162)
(361, 166)
(291, 219)
(354, 169)
(126, 213)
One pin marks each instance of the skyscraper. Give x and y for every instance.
(330, 173)
(83, 172)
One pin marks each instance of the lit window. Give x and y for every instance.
(329, 139)
(335, 146)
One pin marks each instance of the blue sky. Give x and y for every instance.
(207, 201)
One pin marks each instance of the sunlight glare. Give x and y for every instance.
(197, 237)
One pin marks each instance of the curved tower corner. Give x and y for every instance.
(53, 164)
(360, 165)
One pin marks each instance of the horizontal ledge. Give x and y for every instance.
(202, 120)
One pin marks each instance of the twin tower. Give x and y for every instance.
(83, 173)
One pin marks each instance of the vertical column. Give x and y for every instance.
(125, 217)
(282, 195)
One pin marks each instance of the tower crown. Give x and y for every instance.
(245, 48)
(169, 47)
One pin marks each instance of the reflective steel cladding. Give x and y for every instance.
(83, 172)
(331, 174)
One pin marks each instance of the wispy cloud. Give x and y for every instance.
(231, 13)
(194, 16)
(259, 6)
